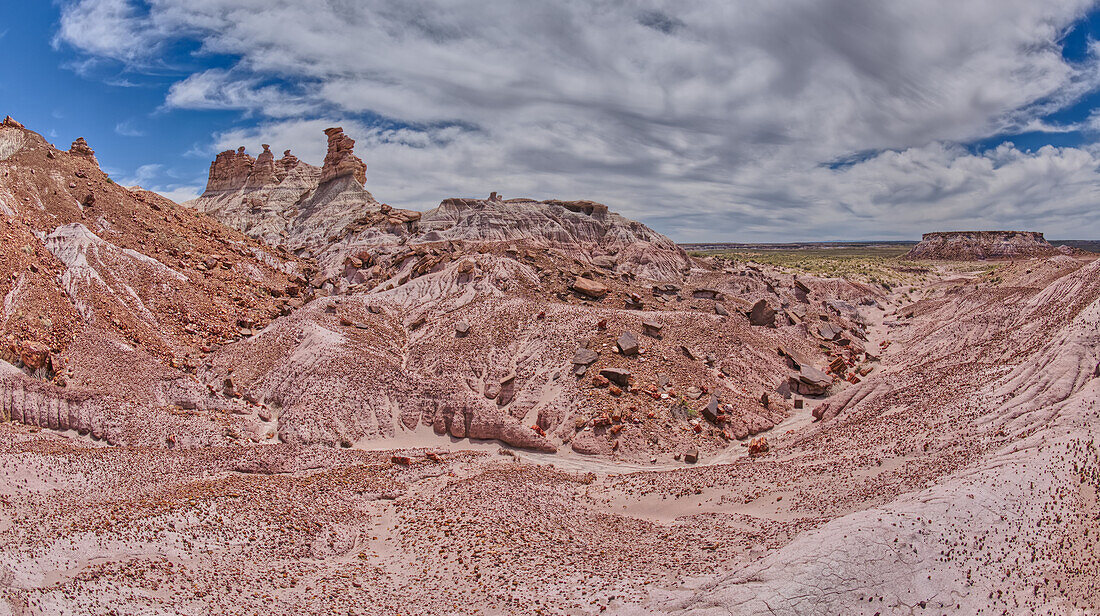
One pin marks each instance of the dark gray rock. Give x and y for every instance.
(710, 411)
(585, 357)
(628, 344)
(617, 376)
(707, 294)
(762, 315)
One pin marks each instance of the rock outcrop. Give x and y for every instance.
(300, 207)
(327, 213)
(606, 239)
(340, 161)
(80, 148)
(980, 245)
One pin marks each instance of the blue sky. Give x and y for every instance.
(709, 120)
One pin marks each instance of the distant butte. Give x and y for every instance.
(980, 245)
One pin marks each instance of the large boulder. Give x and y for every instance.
(762, 315)
(589, 288)
(810, 381)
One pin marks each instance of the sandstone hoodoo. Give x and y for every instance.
(289, 203)
(980, 245)
(340, 161)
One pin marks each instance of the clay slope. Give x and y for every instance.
(980, 245)
(498, 344)
(1004, 381)
(960, 477)
(606, 238)
(110, 297)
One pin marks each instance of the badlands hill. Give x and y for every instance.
(111, 297)
(290, 398)
(980, 245)
(327, 214)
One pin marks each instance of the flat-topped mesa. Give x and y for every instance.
(341, 161)
(980, 245)
(80, 148)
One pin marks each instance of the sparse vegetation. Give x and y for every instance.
(876, 264)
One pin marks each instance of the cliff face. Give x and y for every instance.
(978, 245)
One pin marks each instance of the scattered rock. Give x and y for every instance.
(462, 329)
(691, 456)
(710, 411)
(604, 261)
(810, 381)
(628, 344)
(707, 294)
(34, 355)
(758, 446)
(828, 331)
(616, 375)
(762, 315)
(585, 357)
(652, 328)
(589, 288)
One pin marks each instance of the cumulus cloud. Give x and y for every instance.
(709, 119)
(220, 89)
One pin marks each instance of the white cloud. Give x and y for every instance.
(142, 175)
(707, 118)
(127, 129)
(220, 89)
(179, 194)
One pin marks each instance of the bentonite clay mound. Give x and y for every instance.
(487, 410)
(980, 245)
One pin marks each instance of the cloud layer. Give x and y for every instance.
(708, 119)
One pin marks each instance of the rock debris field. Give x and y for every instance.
(286, 397)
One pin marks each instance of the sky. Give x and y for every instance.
(709, 120)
